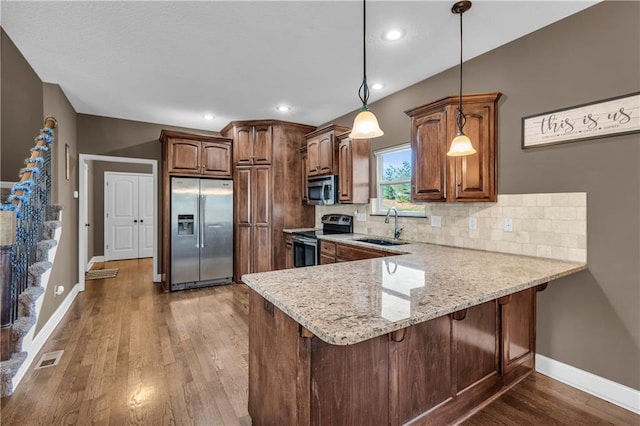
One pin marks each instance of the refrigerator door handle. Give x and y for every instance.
(201, 204)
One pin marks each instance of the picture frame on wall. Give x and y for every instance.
(67, 162)
(609, 117)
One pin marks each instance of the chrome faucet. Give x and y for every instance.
(396, 231)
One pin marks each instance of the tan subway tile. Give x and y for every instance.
(577, 255)
(530, 200)
(543, 200)
(529, 249)
(522, 212)
(543, 251)
(561, 226)
(496, 234)
(569, 240)
(522, 236)
(581, 213)
(543, 225)
(552, 212)
(559, 252)
(568, 213)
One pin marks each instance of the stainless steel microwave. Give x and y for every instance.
(322, 191)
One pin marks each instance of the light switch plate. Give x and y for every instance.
(507, 224)
(436, 221)
(473, 223)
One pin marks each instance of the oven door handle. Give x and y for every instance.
(303, 240)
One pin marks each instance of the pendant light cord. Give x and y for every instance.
(363, 91)
(461, 118)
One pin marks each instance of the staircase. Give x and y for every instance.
(30, 228)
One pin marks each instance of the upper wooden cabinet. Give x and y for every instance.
(322, 151)
(437, 177)
(191, 154)
(253, 144)
(353, 169)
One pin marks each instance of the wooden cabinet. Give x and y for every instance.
(304, 184)
(434, 372)
(353, 169)
(331, 252)
(323, 150)
(253, 144)
(437, 177)
(267, 192)
(327, 252)
(190, 154)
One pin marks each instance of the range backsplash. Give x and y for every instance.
(544, 225)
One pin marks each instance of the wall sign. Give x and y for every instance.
(614, 116)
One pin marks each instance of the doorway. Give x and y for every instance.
(85, 167)
(128, 215)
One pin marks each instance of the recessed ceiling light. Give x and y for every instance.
(377, 86)
(393, 35)
(208, 116)
(283, 108)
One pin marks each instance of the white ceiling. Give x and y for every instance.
(171, 62)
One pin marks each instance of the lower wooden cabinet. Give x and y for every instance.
(331, 252)
(430, 373)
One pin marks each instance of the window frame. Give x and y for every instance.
(376, 205)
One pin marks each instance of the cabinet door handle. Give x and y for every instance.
(135, 220)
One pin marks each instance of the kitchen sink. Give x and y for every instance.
(380, 242)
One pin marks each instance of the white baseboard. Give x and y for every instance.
(94, 259)
(32, 348)
(606, 389)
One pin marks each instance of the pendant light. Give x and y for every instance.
(365, 125)
(461, 144)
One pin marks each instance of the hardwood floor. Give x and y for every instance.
(136, 355)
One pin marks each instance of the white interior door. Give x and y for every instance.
(128, 216)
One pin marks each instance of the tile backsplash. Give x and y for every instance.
(544, 225)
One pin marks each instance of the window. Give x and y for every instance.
(394, 181)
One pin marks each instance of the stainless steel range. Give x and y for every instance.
(305, 244)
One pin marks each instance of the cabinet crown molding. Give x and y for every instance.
(165, 135)
(264, 122)
(453, 100)
(336, 128)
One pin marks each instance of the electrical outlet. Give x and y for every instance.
(473, 223)
(58, 290)
(436, 221)
(507, 224)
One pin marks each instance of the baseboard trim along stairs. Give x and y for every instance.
(620, 395)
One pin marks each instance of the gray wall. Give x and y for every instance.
(65, 267)
(21, 117)
(590, 320)
(96, 197)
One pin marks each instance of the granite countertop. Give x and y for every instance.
(347, 303)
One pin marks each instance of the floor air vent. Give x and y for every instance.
(49, 359)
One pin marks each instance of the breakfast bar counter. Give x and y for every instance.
(423, 335)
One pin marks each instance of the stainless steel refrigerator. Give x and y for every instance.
(201, 232)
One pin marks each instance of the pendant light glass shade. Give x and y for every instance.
(461, 144)
(365, 125)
